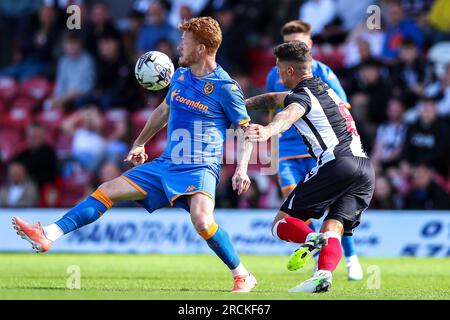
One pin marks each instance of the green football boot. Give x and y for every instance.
(298, 259)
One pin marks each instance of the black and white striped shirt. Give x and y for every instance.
(327, 127)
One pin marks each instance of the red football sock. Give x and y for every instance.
(293, 230)
(330, 255)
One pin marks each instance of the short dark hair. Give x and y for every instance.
(297, 52)
(296, 26)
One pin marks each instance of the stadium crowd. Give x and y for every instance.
(70, 106)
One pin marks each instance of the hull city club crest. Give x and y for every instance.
(208, 87)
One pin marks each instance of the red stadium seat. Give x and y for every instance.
(51, 120)
(11, 142)
(333, 56)
(50, 195)
(8, 89)
(71, 194)
(17, 118)
(156, 145)
(261, 61)
(63, 146)
(75, 187)
(3, 108)
(138, 120)
(24, 102)
(112, 118)
(37, 88)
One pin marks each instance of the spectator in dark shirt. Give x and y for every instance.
(130, 34)
(427, 140)
(231, 57)
(409, 74)
(370, 91)
(38, 157)
(115, 85)
(100, 22)
(426, 194)
(372, 83)
(36, 44)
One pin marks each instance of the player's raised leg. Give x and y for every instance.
(329, 257)
(292, 229)
(87, 211)
(201, 209)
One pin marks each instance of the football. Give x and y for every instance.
(154, 70)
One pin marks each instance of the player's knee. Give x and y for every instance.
(108, 189)
(275, 224)
(332, 225)
(276, 221)
(201, 224)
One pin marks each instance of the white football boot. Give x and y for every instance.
(319, 282)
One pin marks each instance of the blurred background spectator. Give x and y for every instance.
(384, 197)
(19, 190)
(390, 137)
(399, 27)
(75, 75)
(427, 140)
(70, 106)
(38, 157)
(156, 28)
(425, 193)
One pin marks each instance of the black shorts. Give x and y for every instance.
(344, 186)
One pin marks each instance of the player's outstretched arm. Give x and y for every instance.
(156, 122)
(266, 101)
(240, 180)
(281, 122)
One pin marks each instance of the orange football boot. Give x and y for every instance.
(244, 283)
(34, 234)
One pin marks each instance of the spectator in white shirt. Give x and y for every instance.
(390, 137)
(318, 13)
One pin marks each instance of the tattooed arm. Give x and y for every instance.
(281, 122)
(266, 101)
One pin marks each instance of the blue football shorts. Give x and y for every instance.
(292, 171)
(164, 183)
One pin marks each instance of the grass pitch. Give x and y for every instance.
(176, 277)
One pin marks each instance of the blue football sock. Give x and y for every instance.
(348, 244)
(219, 241)
(85, 212)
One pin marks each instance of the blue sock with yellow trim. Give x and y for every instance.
(85, 212)
(219, 241)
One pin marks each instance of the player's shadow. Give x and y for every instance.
(36, 288)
